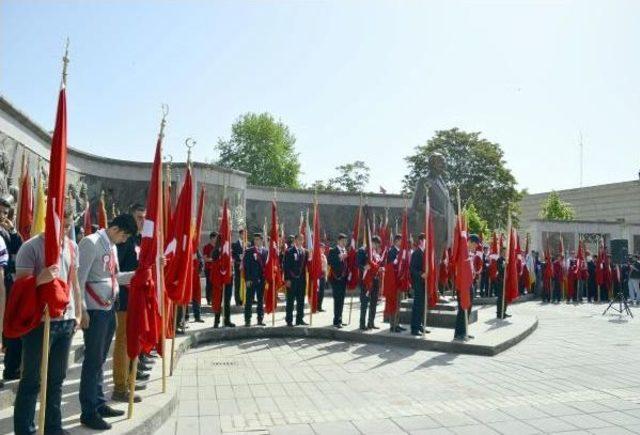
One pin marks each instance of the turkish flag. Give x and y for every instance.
(87, 224)
(353, 277)
(55, 294)
(404, 256)
(463, 271)
(196, 289)
(102, 212)
(511, 279)
(315, 270)
(25, 207)
(430, 260)
(221, 272)
(179, 247)
(272, 270)
(143, 320)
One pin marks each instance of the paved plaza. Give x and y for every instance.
(579, 372)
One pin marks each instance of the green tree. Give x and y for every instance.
(263, 147)
(477, 225)
(473, 164)
(320, 186)
(555, 209)
(352, 177)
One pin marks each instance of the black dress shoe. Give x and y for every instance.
(372, 327)
(107, 411)
(11, 376)
(139, 387)
(396, 329)
(321, 310)
(142, 376)
(401, 328)
(338, 326)
(344, 324)
(216, 325)
(95, 422)
(363, 328)
(302, 323)
(230, 325)
(261, 323)
(57, 432)
(247, 324)
(124, 397)
(290, 324)
(147, 360)
(144, 367)
(199, 321)
(415, 332)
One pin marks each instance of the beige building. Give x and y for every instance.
(610, 211)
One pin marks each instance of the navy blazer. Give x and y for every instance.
(254, 263)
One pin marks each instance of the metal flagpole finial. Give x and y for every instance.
(163, 121)
(189, 143)
(65, 62)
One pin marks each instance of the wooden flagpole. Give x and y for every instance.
(44, 369)
(44, 362)
(356, 248)
(159, 258)
(427, 226)
(132, 386)
(175, 306)
(273, 278)
(506, 262)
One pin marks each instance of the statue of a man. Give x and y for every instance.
(440, 202)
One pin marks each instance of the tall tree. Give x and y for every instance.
(352, 177)
(263, 147)
(555, 209)
(473, 164)
(477, 225)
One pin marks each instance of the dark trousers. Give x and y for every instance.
(485, 285)
(25, 406)
(321, 286)
(462, 325)
(295, 292)
(196, 309)
(255, 290)
(499, 312)
(557, 290)
(97, 340)
(208, 288)
(226, 305)
(236, 283)
(417, 310)
(339, 289)
(12, 357)
(369, 303)
(592, 292)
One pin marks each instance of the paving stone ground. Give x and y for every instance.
(578, 373)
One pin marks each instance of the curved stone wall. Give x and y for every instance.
(125, 182)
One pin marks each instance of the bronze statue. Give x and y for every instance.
(440, 201)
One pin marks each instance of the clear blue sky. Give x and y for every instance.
(364, 80)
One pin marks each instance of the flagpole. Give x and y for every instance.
(160, 256)
(174, 305)
(427, 225)
(355, 247)
(466, 315)
(506, 261)
(44, 363)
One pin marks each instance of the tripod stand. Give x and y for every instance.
(623, 306)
